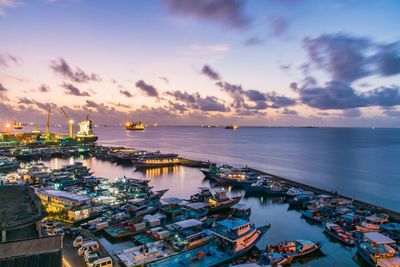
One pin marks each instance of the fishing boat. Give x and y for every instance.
(8, 163)
(229, 176)
(372, 223)
(340, 234)
(378, 250)
(145, 254)
(299, 201)
(287, 251)
(265, 186)
(232, 127)
(216, 201)
(214, 169)
(189, 234)
(233, 238)
(240, 211)
(135, 126)
(319, 216)
(154, 160)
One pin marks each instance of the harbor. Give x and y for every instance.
(128, 200)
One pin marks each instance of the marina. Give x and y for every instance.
(145, 209)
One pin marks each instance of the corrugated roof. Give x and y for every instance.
(232, 224)
(378, 238)
(30, 246)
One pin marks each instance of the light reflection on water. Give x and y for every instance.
(182, 182)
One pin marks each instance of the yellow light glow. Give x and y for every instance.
(128, 124)
(8, 125)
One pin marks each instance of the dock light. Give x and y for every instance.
(8, 125)
(71, 121)
(128, 124)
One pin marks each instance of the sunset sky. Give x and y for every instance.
(188, 62)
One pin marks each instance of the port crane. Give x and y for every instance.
(48, 123)
(70, 122)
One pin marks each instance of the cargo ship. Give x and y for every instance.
(85, 133)
(232, 127)
(17, 125)
(135, 126)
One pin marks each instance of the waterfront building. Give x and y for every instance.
(73, 207)
(22, 242)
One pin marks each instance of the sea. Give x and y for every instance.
(362, 163)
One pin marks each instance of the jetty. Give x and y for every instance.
(394, 215)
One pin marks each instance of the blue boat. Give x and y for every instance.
(233, 238)
(378, 250)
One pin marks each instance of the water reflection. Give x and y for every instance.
(156, 172)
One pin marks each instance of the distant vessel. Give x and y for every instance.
(135, 126)
(86, 133)
(232, 127)
(209, 126)
(17, 125)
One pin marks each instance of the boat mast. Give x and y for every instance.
(69, 122)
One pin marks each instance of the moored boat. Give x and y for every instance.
(337, 232)
(154, 160)
(287, 251)
(233, 238)
(378, 250)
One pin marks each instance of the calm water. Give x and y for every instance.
(362, 163)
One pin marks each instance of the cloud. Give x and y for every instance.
(72, 90)
(354, 112)
(339, 95)
(289, 112)
(148, 89)
(61, 67)
(165, 79)
(125, 93)
(210, 73)
(253, 41)
(8, 58)
(278, 24)
(40, 105)
(101, 108)
(261, 101)
(391, 112)
(349, 58)
(44, 88)
(388, 59)
(195, 101)
(228, 12)
(2, 88)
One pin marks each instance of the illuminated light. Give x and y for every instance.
(8, 125)
(71, 121)
(128, 124)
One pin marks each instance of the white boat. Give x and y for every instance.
(145, 254)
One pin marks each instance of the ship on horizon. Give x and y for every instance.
(135, 126)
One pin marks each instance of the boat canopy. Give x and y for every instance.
(196, 205)
(307, 244)
(188, 223)
(378, 238)
(233, 224)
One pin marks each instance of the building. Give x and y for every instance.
(22, 242)
(74, 207)
(20, 213)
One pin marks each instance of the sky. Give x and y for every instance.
(192, 62)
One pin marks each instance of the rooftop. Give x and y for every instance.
(30, 246)
(63, 194)
(19, 206)
(233, 224)
(188, 223)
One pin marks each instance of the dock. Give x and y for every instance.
(394, 215)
